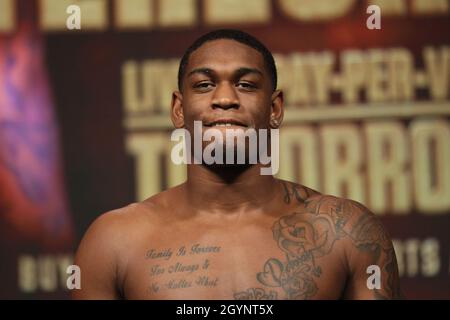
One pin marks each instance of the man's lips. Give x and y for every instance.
(225, 123)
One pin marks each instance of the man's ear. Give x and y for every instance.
(177, 114)
(277, 111)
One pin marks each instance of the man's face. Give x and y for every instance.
(226, 81)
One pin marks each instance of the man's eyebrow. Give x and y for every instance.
(238, 73)
(244, 71)
(206, 71)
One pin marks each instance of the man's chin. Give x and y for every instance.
(228, 170)
(228, 165)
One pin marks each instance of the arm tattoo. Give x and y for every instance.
(307, 236)
(369, 236)
(293, 191)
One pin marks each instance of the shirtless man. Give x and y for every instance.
(229, 232)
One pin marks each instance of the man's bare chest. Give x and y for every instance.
(285, 259)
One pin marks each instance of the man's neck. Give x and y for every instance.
(230, 189)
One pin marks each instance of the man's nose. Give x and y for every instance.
(225, 97)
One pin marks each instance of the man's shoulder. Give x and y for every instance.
(348, 216)
(351, 219)
(120, 216)
(112, 224)
(113, 232)
(317, 202)
(145, 213)
(151, 207)
(332, 205)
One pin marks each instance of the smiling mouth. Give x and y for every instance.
(225, 123)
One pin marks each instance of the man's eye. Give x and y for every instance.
(246, 85)
(204, 85)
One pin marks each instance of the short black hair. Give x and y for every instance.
(238, 36)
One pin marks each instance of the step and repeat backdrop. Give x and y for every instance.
(85, 90)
